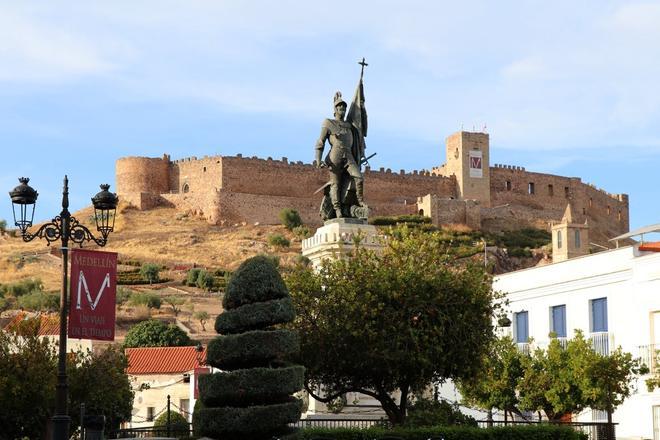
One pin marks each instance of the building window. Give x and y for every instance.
(559, 243)
(558, 323)
(567, 192)
(619, 215)
(578, 242)
(522, 328)
(599, 315)
(184, 407)
(150, 414)
(185, 188)
(530, 188)
(609, 210)
(584, 211)
(508, 185)
(204, 169)
(551, 190)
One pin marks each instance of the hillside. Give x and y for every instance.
(178, 242)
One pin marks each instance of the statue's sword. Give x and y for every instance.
(363, 161)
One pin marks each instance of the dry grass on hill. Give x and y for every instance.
(162, 235)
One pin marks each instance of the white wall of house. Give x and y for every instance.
(630, 282)
(160, 385)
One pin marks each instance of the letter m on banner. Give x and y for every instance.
(92, 298)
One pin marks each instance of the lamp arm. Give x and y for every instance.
(76, 232)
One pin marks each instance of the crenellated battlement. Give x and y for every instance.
(254, 189)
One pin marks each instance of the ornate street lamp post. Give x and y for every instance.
(64, 228)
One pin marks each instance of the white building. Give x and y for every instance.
(612, 296)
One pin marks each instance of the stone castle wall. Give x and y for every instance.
(235, 189)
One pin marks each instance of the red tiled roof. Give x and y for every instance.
(49, 324)
(652, 247)
(160, 360)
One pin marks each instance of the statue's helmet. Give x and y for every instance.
(339, 100)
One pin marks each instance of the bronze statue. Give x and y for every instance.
(344, 193)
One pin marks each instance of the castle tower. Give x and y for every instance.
(468, 159)
(570, 239)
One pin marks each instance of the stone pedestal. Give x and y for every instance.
(336, 239)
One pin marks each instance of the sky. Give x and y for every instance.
(563, 87)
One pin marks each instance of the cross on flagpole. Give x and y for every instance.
(363, 64)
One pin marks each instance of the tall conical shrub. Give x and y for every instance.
(252, 397)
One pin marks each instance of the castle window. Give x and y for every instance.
(551, 190)
(584, 211)
(591, 202)
(530, 188)
(508, 185)
(559, 240)
(185, 188)
(204, 169)
(567, 192)
(578, 243)
(609, 210)
(619, 215)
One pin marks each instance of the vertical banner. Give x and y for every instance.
(476, 165)
(92, 296)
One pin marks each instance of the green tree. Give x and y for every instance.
(192, 275)
(559, 380)
(497, 384)
(150, 272)
(122, 296)
(252, 396)
(380, 322)
(202, 317)
(99, 380)
(28, 367)
(175, 302)
(154, 333)
(205, 280)
(290, 218)
(3, 225)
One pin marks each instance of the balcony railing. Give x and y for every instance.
(649, 356)
(601, 342)
(523, 347)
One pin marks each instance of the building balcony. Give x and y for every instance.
(649, 356)
(601, 342)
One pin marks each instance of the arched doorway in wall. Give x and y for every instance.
(421, 212)
(185, 188)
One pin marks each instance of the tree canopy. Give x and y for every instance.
(397, 320)
(28, 375)
(559, 380)
(155, 333)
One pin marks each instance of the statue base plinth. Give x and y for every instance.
(337, 238)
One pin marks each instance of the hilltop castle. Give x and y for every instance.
(464, 190)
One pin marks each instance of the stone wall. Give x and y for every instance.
(142, 175)
(447, 211)
(546, 201)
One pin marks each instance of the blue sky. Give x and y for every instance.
(569, 88)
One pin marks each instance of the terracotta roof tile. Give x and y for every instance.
(49, 324)
(160, 360)
(652, 247)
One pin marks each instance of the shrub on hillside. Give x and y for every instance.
(302, 232)
(252, 396)
(278, 240)
(191, 276)
(21, 287)
(290, 218)
(205, 280)
(148, 299)
(39, 301)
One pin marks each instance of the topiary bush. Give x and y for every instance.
(252, 396)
